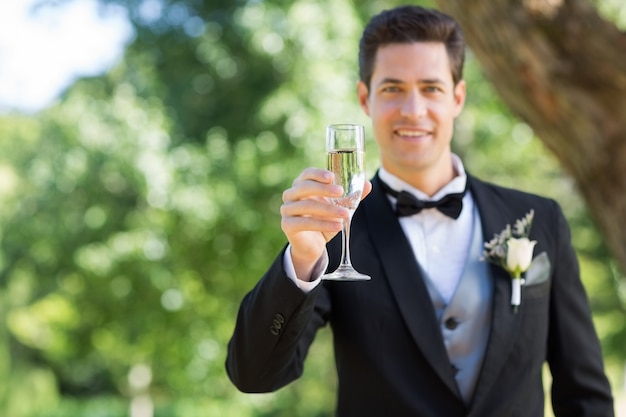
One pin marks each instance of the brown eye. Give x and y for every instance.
(432, 89)
(391, 89)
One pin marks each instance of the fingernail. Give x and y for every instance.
(337, 190)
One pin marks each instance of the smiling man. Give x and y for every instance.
(434, 332)
(413, 101)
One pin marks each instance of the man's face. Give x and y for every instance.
(413, 102)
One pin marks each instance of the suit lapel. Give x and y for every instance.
(407, 284)
(495, 214)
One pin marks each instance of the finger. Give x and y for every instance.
(315, 174)
(293, 225)
(308, 188)
(315, 207)
(366, 189)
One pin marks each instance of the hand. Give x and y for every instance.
(309, 219)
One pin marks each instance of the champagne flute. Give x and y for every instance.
(345, 147)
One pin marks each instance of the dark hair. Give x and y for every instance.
(407, 24)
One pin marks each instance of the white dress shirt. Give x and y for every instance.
(440, 244)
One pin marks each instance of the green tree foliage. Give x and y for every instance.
(140, 208)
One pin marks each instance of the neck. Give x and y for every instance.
(427, 181)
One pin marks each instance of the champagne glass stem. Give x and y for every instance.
(345, 243)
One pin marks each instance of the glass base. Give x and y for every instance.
(346, 273)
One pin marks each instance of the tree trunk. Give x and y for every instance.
(562, 69)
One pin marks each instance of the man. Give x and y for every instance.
(433, 333)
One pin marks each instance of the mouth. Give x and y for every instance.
(413, 134)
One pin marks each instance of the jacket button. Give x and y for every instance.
(455, 370)
(451, 323)
(277, 324)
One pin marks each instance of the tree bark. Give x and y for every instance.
(562, 69)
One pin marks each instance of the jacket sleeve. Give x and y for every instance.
(275, 327)
(580, 386)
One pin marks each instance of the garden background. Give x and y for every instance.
(140, 206)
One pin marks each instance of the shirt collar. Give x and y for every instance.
(457, 185)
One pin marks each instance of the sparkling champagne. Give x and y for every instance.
(347, 165)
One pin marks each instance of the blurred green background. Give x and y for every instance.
(140, 207)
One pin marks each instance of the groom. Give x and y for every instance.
(433, 333)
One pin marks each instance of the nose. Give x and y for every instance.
(413, 105)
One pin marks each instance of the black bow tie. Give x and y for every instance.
(407, 204)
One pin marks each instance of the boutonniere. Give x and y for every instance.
(512, 250)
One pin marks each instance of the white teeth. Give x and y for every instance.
(410, 133)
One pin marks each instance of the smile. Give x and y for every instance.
(415, 134)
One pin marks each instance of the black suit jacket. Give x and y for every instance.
(390, 356)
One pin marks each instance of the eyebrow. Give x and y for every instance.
(398, 81)
(390, 81)
(433, 81)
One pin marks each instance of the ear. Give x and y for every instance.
(363, 93)
(459, 96)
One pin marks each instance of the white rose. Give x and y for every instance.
(519, 254)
